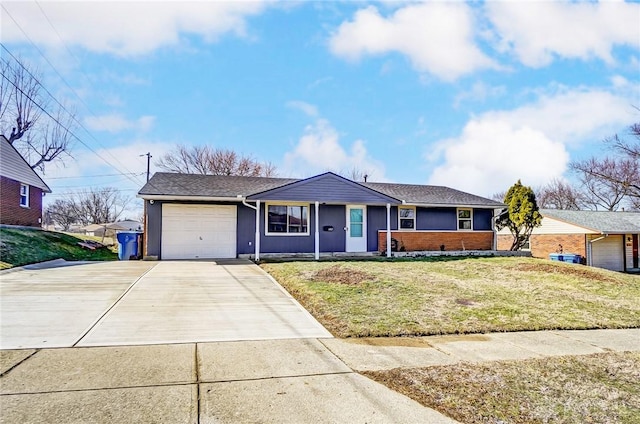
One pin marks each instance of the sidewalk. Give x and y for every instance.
(284, 381)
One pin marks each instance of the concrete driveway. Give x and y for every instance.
(132, 303)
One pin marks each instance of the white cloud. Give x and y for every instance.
(125, 28)
(319, 150)
(490, 155)
(115, 123)
(538, 31)
(571, 116)
(306, 108)
(437, 37)
(529, 143)
(479, 92)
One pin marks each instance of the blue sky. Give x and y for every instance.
(468, 95)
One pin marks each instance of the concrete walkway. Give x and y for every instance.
(283, 381)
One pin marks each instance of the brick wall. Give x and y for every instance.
(504, 241)
(431, 240)
(11, 212)
(544, 244)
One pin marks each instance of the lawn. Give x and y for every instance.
(599, 388)
(472, 295)
(24, 246)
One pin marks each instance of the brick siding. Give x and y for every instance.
(544, 244)
(11, 212)
(432, 240)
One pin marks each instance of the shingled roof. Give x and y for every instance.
(432, 195)
(164, 184)
(196, 185)
(603, 221)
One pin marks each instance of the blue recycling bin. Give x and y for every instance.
(127, 244)
(566, 257)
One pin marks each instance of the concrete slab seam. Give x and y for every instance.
(279, 377)
(566, 336)
(19, 363)
(197, 370)
(101, 389)
(110, 308)
(293, 299)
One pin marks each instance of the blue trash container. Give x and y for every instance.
(127, 244)
(566, 257)
(556, 257)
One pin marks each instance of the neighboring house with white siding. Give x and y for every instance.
(21, 189)
(605, 239)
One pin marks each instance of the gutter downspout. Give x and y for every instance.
(317, 232)
(257, 235)
(389, 229)
(589, 248)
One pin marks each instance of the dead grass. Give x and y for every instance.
(425, 297)
(599, 388)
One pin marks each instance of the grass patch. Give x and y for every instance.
(24, 246)
(473, 295)
(599, 388)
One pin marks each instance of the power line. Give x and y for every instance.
(94, 176)
(63, 80)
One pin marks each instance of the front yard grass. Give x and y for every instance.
(448, 296)
(599, 388)
(20, 246)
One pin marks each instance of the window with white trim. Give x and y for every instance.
(406, 218)
(24, 195)
(465, 219)
(288, 219)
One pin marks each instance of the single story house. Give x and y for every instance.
(111, 228)
(605, 239)
(205, 216)
(21, 189)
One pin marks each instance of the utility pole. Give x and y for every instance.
(148, 155)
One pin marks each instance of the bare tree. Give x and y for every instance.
(612, 181)
(99, 205)
(40, 138)
(558, 194)
(209, 161)
(62, 212)
(608, 181)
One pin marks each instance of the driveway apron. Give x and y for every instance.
(198, 301)
(54, 307)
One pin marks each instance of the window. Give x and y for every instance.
(24, 195)
(287, 219)
(407, 218)
(465, 219)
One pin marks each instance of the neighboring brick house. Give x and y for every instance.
(21, 189)
(207, 216)
(605, 239)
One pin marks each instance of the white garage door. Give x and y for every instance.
(608, 254)
(198, 231)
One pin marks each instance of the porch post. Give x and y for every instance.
(317, 240)
(388, 230)
(257, 237)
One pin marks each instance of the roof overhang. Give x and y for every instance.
(451, 205)
(190, 198)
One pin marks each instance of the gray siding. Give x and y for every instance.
(326, 188)
(443, 219)
(335, 216)
(377, 220)
(482, 219)
(154, 228)
(246, 229)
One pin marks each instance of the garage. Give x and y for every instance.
(608, 253)
(198, 231)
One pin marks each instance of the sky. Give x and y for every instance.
(472, 96)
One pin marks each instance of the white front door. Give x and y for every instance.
(356, 228)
